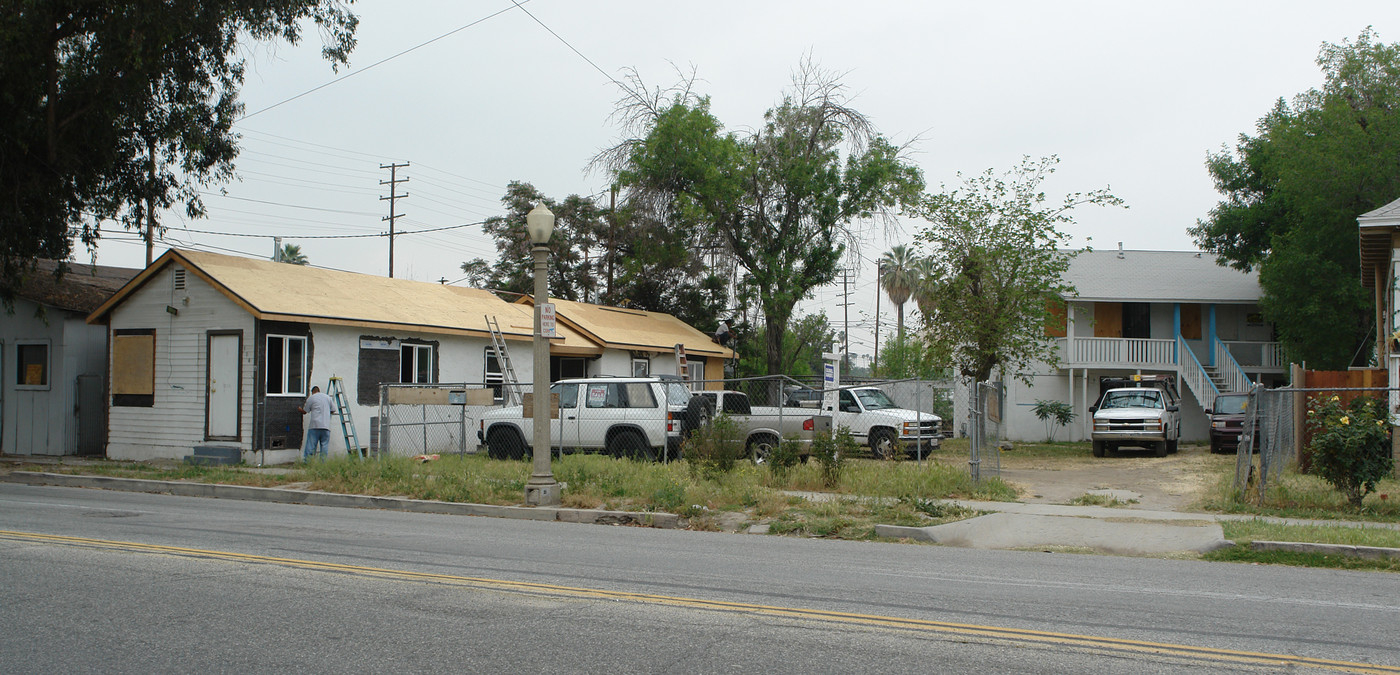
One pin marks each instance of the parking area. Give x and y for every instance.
(1172, 483)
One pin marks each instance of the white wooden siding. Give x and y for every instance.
(175, 424)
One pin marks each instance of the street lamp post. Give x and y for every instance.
(541, 489)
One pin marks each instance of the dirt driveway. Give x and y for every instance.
(1172, 483)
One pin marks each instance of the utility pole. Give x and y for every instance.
(393, 197)
(879, 278)
(612, 240)
(150, 201)
(846, 315)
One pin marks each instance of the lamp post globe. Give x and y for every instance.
(541, 489)
(539, 223)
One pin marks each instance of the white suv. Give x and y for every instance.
(641, 417)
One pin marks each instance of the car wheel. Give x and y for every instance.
(631, 444)
(1160, 448)
(882, 444)
(1099, 448)
(761, 447)
(1172, 446)
(505, 443)
(698, 413)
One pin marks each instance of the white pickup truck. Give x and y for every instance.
(764, 427)
(641, 417)
(876, 422)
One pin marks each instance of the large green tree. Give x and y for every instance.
(572, 274)
(781, 199)
(113, 111)
(996, 258)
(1292, 193)
(610, 257)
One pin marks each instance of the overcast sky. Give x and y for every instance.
(1130, 96)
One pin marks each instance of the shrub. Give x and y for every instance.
(1350, 445)
(1054, 414)
(831, 451)
(784, 457)
(713, 449)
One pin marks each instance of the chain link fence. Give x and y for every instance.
(615, 415)
(1274, 431)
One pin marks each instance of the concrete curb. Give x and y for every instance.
(1367, 552)
(282, 496)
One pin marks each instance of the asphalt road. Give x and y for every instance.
(124, 582)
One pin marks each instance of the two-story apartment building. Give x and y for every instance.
(1150, 312)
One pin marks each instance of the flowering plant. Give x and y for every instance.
(1350, 444)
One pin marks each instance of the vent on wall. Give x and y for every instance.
(179, 278)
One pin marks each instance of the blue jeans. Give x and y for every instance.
(316, 438)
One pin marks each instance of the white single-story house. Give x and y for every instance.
(218, 350)
(637, 342)
(53, 365)
(1149, 312)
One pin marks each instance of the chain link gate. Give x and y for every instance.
(985, 414)
(422, 419)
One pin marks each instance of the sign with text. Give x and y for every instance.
(547, 325)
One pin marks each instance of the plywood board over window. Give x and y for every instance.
(1056, 318)
(1191, 321)
(134, 367)
(1108, 319)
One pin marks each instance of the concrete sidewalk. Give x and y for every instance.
(1014, 525)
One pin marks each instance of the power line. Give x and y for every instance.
(322, 236)
(290, 206)
(519, 3)
(383, 61)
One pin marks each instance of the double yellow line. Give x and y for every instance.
(1046, 638)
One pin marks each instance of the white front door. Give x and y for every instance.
(222, 391)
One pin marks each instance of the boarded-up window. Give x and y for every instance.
(1108, 319)
(1191, 321)
(1056, 318)
(134, 367)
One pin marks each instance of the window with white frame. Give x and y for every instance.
(492, 373)
(415, 363)
(286, 365)
(695, 369)
(641, 367)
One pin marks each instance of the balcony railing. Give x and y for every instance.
(1251, 354)
(1135, 352)
(1154, 353)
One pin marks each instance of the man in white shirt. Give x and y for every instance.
(318, 424)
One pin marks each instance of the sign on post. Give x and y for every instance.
(547, 325)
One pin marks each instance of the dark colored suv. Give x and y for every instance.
(1227, 415)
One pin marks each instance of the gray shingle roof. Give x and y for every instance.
(1159, 276)
(1387, 215)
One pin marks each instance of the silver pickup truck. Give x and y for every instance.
(763, 426)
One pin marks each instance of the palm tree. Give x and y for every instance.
(898, 279)
(291, 253)
(925, 285)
